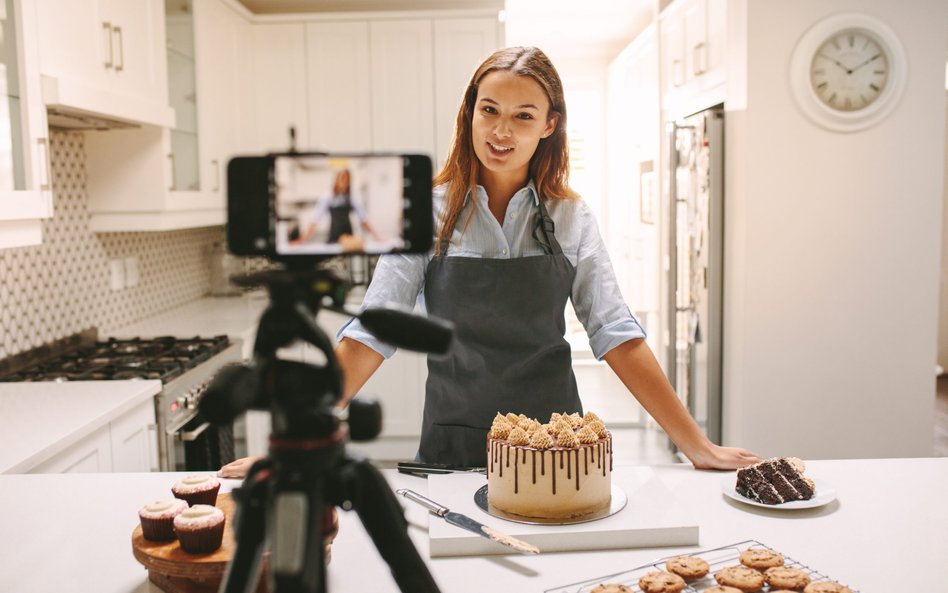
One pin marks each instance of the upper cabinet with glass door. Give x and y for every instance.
(25, 184)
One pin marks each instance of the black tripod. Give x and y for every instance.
(287, 498)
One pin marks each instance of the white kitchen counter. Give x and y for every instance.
(40, 420)
(885, 532)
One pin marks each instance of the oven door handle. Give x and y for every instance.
(192, 435)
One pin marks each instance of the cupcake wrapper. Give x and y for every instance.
(201, 541)
(204, 497)
(158, 530)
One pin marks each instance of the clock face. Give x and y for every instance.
(849, 70)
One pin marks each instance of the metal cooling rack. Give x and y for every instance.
(717, 558)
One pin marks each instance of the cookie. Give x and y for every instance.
(782, 577)
(611, 588)
(661, 582)
(722, 589)
(689, 567)
(826, 587)
(761, 558)
(741, 577)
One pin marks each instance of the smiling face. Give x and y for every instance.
(511, 116)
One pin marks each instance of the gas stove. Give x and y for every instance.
(185, 366)
(164, 358)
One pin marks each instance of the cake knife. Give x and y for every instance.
(465, 522)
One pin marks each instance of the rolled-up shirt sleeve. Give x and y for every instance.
(397, 280)
(596, 297)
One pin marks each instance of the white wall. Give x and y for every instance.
(832, 248)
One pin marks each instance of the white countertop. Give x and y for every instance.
(885, 532)
(40, 420)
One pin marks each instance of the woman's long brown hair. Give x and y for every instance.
(549, 166)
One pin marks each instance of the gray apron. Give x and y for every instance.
(509, 353)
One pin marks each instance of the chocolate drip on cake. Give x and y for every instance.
(577, 470)
(534, 467)
(569, 470)
(774, 481)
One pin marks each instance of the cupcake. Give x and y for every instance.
(200, 529)
(157, 518)
(197, 490)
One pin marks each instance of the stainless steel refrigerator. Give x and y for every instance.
(695, 274)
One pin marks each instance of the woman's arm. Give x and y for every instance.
(635, 365)
(359, 363)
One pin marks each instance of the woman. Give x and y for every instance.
(340, 206)
(514, 242)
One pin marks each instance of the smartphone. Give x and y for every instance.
(321, 205)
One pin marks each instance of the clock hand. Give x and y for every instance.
(848, 71)
(873, 58)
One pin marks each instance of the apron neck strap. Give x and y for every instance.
(543, 231)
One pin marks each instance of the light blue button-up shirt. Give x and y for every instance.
(400, 278)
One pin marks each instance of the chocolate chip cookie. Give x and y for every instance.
(611, 588)
(689, 567)
(826, 587)
(741, 577)
(782, 577)
(661, 582)
(761, 558)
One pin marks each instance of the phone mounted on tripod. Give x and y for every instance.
(286, 500)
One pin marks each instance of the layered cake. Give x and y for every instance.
(775, 481)
(559, 469)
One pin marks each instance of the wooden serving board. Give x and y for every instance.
(175, 570)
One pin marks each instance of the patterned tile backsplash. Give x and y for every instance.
(61, 287)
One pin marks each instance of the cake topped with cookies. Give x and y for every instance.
(558, 468)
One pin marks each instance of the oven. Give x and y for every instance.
(185, 367)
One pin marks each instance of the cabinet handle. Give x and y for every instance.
(153, 448)
(108, 34)
(217, 174)
(174, 182)
(699, 56)
(677, 73)
(44, 149)
(119, 66)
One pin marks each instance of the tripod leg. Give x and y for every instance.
(384, 520)
(243, 571)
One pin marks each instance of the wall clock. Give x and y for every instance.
(848, 72)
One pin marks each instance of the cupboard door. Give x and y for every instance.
(138, 48)
(338, 86)
(218, 36)
(460, 45)
(673, 53)
(91, 455)
(279, 83)
(77, 38)
(134, 441)
(402, 86)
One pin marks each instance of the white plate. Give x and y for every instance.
(824, 494)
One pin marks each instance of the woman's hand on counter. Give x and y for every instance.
(238, 468)
(718, 457)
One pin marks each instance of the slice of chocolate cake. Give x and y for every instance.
(775, 481)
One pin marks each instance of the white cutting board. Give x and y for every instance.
(652, 518)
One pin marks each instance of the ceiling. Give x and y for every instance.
(562, 28)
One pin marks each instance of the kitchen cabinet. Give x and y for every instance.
(278, 65)
(693, 41)
(25, 183)
(133, 440)
(166, 178)
(127, 444)
(460, 45)
(402, 86)
(339, 86)
(391, 84)
(105, 58)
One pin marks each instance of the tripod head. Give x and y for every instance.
(287, 497)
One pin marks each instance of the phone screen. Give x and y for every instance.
(338, 204)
